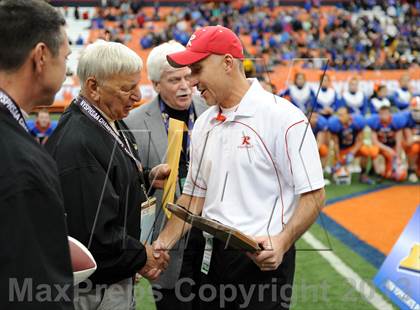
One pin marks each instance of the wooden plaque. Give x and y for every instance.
(232, 237)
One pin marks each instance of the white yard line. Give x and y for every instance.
(367, 291)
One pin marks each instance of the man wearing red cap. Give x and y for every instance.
(254, 166)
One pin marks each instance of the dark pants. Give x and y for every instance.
(189, 277)
(234, 281)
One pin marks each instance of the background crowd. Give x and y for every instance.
(356, 35)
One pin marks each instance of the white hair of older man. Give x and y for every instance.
(156, 61)
(103, 59)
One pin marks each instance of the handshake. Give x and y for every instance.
(157, 254)
(157, 260)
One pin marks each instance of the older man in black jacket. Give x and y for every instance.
(102, 178)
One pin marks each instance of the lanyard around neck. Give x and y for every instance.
(94, 115)
(191, 120)
(13, 109)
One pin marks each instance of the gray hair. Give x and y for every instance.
(103, 59)
(156, 61)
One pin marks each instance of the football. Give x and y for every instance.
(82, 261)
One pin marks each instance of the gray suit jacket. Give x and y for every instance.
(147, 126)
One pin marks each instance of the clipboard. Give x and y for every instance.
(232, 237)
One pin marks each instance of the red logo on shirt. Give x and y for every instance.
(246, 142)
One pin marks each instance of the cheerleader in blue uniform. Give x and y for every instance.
(379, 99)
(327, 101)
(401, 96)
(299, 93)
(354, 98)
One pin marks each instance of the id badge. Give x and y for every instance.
(148, 211)
(208, 249)
(149, 203)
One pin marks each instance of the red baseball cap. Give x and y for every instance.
(205, 41)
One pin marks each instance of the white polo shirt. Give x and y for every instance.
(248, 167)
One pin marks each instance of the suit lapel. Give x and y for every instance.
(158, 135)
(154, 123)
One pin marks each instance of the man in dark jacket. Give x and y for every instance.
(35, 267)
(102, 178)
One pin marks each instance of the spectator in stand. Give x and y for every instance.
(354, 98)
(352, 38)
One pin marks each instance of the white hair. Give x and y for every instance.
(156, 61)
(103, 59)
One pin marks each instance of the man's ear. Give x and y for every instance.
(92, 88)
(39, 57)
(156, 86)
(228, 63)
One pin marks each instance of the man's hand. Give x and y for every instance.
(158, 175)
(271, 256)
(160, 249)
(155, 264)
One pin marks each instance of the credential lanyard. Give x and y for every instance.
(190, 125)
(94, 115)
(13, 109)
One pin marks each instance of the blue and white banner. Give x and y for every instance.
(399, 275)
